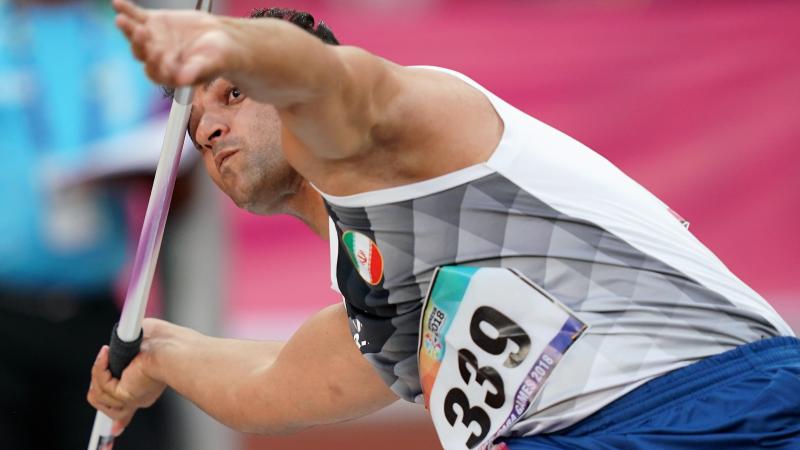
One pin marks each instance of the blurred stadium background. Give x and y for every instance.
(697, 100)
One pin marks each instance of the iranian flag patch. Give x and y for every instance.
(365, 255)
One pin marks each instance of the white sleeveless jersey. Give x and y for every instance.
(654, 297)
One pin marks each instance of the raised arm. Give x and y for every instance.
(317, 377)
(332, 98)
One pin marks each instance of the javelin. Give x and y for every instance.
(127, 333)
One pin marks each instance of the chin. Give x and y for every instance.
(247, 202)
(262, 195)
(256, 204)
(260, 209)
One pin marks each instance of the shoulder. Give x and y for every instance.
(399, 97)
(384, 80)
(436, 108)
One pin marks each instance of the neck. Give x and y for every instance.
(307, 205)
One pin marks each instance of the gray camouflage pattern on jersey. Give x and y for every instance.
(492, 222)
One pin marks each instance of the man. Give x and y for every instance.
(418, 169)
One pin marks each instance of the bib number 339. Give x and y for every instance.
(489, 338)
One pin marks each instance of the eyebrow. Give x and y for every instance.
(208, 83)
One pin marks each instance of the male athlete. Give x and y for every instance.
(419, 168)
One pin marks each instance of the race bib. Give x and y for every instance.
(489, 338)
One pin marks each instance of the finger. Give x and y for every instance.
(109, 388)
(97, 396)
(126, 25)
(104, 382)
(111, 411)
(155, 61)
(139, 41)
(169, 65)
(100, 373)
(155, 74)
(100, 367)
(129, 9)
(196, 69)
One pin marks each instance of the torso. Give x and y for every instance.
(654, 297)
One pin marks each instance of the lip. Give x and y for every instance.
(220, 157)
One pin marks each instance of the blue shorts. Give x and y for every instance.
(745, 398)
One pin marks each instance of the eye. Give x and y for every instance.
(234, 94)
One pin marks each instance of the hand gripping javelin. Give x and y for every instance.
(127, 333)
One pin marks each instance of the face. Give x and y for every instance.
(240, 143)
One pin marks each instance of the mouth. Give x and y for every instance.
(220, 157)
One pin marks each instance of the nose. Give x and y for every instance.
(210, 129)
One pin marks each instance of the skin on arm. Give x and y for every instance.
(325, 93)
(352, 121)
(317, 377)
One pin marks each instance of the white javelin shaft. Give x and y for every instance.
(130, 323)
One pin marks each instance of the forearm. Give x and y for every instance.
(317, 377)
(278, 63)
(331, 98)
(206, 370)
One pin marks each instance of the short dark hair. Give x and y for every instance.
(302, 19)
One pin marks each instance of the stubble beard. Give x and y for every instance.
(266, 183)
